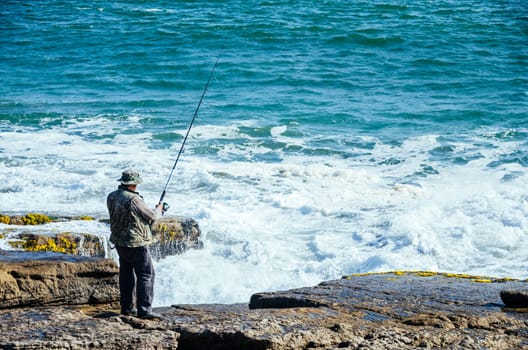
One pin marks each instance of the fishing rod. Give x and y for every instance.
(165, 206)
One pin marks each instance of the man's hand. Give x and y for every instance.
(158, 210)
(162, 207)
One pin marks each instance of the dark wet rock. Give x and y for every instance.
(47, 278)
(515, 298)
(273, 301)
(401, 293)
(379, 311)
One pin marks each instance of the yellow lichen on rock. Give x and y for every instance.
(167, 232)
(28, 219)
(60, 244)
(36, 219)
(482, 280)
(66, 241)
(39, 219)
(49, 245)
(459, 275)
(426, 273)
(478, 279)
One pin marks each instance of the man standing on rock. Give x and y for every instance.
(130, 221)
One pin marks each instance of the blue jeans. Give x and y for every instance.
(136, 274)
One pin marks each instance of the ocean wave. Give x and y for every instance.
(334, 138)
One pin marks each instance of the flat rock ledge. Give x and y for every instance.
(48, 278)
(400, 310)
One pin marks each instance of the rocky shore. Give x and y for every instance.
(57, 301)
(172, 235)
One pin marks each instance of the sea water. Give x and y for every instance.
(336, 137)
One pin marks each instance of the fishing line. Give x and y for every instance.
(189, 128)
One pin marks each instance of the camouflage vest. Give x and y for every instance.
(128, 228)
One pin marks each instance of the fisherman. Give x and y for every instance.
(130, 220)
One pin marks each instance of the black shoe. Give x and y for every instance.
(150, 316)
(129, 312)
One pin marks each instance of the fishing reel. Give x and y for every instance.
(163, 206)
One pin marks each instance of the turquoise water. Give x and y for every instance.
(335, 136)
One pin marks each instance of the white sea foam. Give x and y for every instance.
(288, 223)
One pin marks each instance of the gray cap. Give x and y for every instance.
(130, 177)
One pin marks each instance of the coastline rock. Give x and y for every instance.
(378, 311)
(71, 328)
(39, 219)
(172, 235)
(400, 310)
(84, 244)
(47, 278)
(515, 298)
